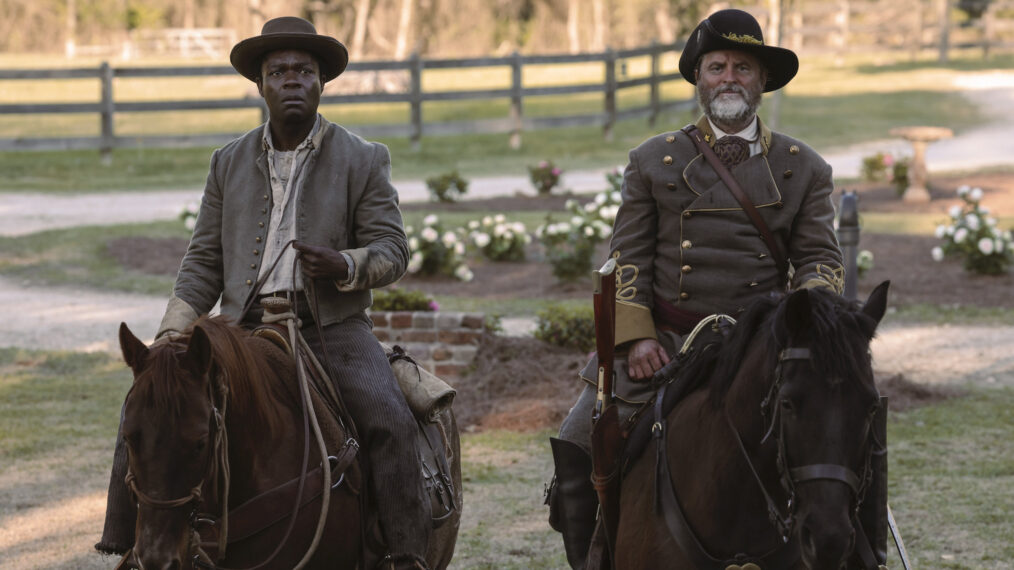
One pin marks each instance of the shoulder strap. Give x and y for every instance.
(776, 251)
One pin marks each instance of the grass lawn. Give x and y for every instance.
(826, 105)
(951, 465)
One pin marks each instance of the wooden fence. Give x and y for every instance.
(414, 96)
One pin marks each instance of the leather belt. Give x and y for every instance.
(672, 317)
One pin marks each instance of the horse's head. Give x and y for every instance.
(819, 411)
(170, 425)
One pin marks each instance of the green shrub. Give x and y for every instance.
(402, 300)
(567, 327)
(447, 187)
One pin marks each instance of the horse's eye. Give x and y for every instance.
(787, 406)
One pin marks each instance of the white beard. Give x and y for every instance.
(730, 108)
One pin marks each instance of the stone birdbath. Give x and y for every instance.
(919, 137)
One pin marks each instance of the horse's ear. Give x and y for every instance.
(199, 351)
(798, 313)
(876, 305)
(134, 351)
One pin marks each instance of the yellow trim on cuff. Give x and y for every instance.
(633, 322)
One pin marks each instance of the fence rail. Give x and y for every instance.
(414, 96)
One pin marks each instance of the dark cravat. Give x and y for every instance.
(732, 150)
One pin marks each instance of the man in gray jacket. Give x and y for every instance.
(685, 248)
(302, 179)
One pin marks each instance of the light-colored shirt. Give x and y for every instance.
(750, 134)
(286, 171)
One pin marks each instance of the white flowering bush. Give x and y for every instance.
(571, 244)
(972, 234)
(435, 250)
(864, 262)
(189, 215)
(498, 239)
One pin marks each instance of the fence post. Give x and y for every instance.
(610, 95)
(848, 237)
(656, 53)
(415, 135)
(516, 100)
(106, 146)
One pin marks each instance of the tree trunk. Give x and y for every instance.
(359, 32)
(663, 24)
(573, 28)
(600, 29)
(404, 27)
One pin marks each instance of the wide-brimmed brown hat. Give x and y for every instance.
(737, 30)
(289, 32)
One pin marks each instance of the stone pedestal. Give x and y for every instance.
(919, 137)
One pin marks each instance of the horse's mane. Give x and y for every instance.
(836, 340)
(247, 374)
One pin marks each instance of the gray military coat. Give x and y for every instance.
(680, 235)
(347, 202)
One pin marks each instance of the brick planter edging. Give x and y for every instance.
(445, 343)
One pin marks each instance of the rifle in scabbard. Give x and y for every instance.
(607, 438)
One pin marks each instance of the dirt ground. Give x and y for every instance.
(521, 383)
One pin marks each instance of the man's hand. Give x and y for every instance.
(321, 262)
(645, 358)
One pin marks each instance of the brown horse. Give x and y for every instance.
(218, 414)
(766, 459)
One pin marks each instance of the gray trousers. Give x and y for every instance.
(386, 427)
(577, 426)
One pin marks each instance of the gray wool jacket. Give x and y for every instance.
(681, 236)
(347, 202)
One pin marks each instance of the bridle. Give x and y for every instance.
(789, 476)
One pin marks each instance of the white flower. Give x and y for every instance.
(972, 221)
(487, 221)
(500, 230)
(526, 238)
(481, 239)
(986, 246)
(190, 222)
(473, 225)
(975, 194)
(991, 222)
(591, 207)
(413, 243)
(570, 204)
(463, 273)
(409, 230)
(955, 212)
(499, 218)
(589, 231)
(519, 228)
(616, 198)
(938, 254)
(941, 231)
(963, 190)
(609, 212)
(430, 220)
(449, 239)
(415, 263)
(950, 230)
(960, 234)
(429, 234)
(998, 246)
(604, 229)
(601, 198)
(459, 248)
(563, 227)
(577, 220)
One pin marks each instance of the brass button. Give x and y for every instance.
(793, 149)
(265, 196)
(671, 185)
(667, 160)
(248, 282)
(707, 137)
(761, 255)
(687, 214)
(684, 295)
(260, 224)
(264, 210)
(687, 244)
(670, 139)
(753, 284)
(686, 269)
(787, 174)
(257, 239)
(256, 252)
(253, 266)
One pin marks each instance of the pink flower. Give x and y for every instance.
(543, 164)
(434, 306)
(556, 172)
(888, 160)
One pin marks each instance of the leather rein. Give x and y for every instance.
(787, 553)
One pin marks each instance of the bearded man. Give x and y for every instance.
(686, 247)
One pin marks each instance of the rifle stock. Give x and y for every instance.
(607, 439)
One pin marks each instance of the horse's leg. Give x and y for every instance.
(121, 511)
